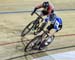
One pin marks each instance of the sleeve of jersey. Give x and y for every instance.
(39, 6)
(51, 7)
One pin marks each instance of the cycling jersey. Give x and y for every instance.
(56, 23)
(50, 8)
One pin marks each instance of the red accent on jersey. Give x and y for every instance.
(50, 8)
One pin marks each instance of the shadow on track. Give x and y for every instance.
(25, 55)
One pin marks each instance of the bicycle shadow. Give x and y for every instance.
(39, 53)
(22, 44)
(42, 56)
(42, 51)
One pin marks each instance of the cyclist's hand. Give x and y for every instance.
(32, 13)
(46, 19)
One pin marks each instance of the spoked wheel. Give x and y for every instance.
(33, 44)
(27, 29)
(47, 41)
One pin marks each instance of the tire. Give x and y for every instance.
(43, 45)
(33, 43)
(27, 29)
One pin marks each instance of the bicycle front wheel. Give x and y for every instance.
(27, 29)
(33, 43)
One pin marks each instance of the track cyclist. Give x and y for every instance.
(48, 9)
(54, 26)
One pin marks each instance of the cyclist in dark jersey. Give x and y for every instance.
(48, 9)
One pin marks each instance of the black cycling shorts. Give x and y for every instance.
(51, 26)
(44, 12)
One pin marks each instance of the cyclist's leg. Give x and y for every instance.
(51, 30)
(48, 30)
(40, 28)
(36, 22)
(45, 42)
(43, 13)
(36, 30)
(43, 24)
(38, 18)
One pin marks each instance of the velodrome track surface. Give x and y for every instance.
(10, 44)
(52, 49)
(12, 22)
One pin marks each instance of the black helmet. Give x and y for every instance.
(45, 4)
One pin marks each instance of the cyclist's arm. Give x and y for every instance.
(37, 7)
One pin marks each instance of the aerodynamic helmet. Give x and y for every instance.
(45, 4)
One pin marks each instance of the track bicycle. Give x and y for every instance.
(39, 42)
(32, 25)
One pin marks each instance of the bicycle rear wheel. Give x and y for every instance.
(27, 29)
(33, 43)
